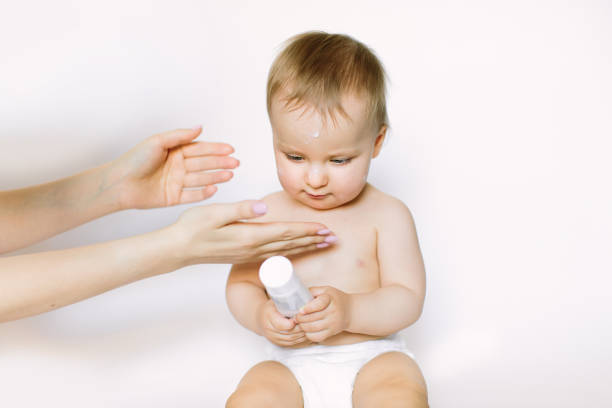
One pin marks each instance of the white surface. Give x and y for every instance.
(501, 125)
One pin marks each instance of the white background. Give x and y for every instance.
(500, 145)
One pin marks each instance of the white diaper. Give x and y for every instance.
(327, 373)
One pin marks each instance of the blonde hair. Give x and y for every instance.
(318, 68)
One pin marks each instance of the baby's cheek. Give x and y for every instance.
(288, 180)
(352, 185)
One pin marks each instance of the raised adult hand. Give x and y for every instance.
(170, 168)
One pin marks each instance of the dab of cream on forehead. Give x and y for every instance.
(309, 125)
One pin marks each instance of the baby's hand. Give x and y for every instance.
(326, 315)
(277, 328)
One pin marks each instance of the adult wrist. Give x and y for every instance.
(109, 185)
(157, 253)
(176, 246)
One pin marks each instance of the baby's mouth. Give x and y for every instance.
(317, 196)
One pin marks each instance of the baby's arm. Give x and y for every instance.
(244, 294)
(399, 300)
(248, 302)
(395, 305)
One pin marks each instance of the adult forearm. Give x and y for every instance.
(400, 307)
(35, 213)
(36, 283)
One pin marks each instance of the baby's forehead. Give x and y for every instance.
(352, 112)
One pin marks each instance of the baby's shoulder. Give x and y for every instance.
(277, 203)
(387, 208)
(274, 198)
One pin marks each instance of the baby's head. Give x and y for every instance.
(327, 107)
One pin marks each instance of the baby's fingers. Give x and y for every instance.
(290, 337)
(317, 337)
(284, 339)
(296, 329)
(315, 326)
(310, 317)
(317, 304)
(286, 343)
(281, 323)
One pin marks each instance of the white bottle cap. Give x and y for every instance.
(283, 286)
(276, 274)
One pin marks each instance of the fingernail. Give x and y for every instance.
(322, 245)
(197, 127)
(331, 239)
(260, 208)
(323, 231)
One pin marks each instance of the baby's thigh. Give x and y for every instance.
(267, 384)
(391, 379)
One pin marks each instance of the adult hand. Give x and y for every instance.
(158, 172)
(165, 169)
(326, 315)
(277, 328)
(215, 234)
(169, 168)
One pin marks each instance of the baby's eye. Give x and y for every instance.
(294, 157)
(340, 161)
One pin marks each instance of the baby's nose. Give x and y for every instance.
(316, 177)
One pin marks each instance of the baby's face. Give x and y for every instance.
(323, 163)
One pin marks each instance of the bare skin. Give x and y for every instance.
(268, 384)
(367, 285)
(164, 170)
(388, 380)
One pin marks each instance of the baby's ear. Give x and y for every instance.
(380, 138)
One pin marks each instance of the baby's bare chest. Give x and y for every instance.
(350, 264)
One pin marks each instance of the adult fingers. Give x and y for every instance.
(177, 137)
(287, 245)
(265, 233)
(192, 196)
(205, 179)
(290, 252)
(223, 214)
(203, 163)
(206, 149)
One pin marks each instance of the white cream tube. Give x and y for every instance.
(283, 285)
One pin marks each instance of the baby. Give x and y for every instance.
(327, 108)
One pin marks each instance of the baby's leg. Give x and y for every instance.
(390, 380)
(268, 384)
